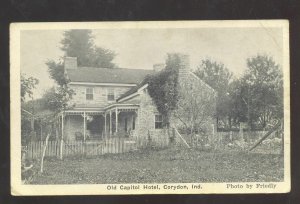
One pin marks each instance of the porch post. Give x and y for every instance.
(62, 126)
(116, 119)
(84, 126)
(110, 128)
(105, 124)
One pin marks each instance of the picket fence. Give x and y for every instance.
(91, 148)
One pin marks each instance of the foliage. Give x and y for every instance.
(57, 99)
(255, 98)
(237, 106)
(263, 90)
(163, 86)
(42, 116)
(217, 76)
(80, 44)
(56, 72)
(27, 85)
(102, 57)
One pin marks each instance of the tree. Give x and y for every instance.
(237, 108)
(56, 72)
(217, 76)
(27, 85)
(80, 44)
(57, 98)
(263, 90)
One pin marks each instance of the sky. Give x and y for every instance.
(141, 48)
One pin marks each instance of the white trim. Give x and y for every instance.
(100, 84)
(129, 96)
(116, 104)
(143, 87)
(87, 108)
(81, 111)
(69, 111)
(134, 94)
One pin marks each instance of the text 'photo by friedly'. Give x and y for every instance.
(186, 107)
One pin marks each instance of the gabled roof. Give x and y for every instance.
(133, 89)
(107, 75)
(145, 81)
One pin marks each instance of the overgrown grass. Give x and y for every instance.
(171, 165)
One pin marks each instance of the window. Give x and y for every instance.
(158, 122)
(111, 94)
(89, 94)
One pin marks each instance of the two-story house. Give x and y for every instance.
(114, 102)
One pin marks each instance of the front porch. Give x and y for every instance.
(117, 120)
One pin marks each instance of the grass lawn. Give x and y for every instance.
(171, 165)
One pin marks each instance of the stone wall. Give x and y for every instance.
(190, 85)
(146, 118)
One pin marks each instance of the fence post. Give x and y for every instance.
(61, 149)
(241, 133)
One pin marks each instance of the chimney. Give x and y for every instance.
(158, 67)
(70, 63)
(184, 64)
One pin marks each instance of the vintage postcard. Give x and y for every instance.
(166, 107)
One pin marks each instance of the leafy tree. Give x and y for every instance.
(57, 99)
(80, 44)
(263, 84)
(219, 78)
(56, 72)
(237, 108)
(103, 58)
(27, 85)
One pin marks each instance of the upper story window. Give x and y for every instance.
(89, 93)
(158, 121)
(110, 94)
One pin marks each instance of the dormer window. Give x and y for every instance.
(110, 94)
(89, 94)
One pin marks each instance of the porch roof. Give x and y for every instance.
(122, 106)
(100, 111)
(81, 111)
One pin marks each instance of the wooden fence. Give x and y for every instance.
(92, 148)
(80, 148)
